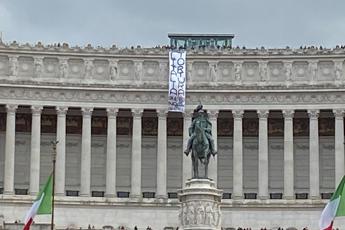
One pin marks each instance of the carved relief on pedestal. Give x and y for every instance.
(338, 71)
(200, 213)
(125, 70)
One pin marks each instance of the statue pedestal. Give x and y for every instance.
(200, 209)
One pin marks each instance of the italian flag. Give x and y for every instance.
(334, 208)
(42, 204)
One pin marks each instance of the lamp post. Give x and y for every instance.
(54, 143)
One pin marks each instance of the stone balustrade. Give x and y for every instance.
(240, 68)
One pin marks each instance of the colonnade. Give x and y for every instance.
(161, 189)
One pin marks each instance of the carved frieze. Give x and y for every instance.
(250, 72)
(76, 68)
(25, 67)
(276, 72)
(300, 71)
(225, 72)
(200, 71)
(4, 65)
(150, 70)
(51, 68)
(325, 71)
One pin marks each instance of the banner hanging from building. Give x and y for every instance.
(177, 81)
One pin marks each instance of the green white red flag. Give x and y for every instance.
(335, 207)
(42, 204)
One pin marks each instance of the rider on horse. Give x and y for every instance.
(202, 120)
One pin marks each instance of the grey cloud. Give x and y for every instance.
(270, 23)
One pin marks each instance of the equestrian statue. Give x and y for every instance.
(200, 141)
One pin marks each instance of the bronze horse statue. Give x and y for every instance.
(200, 151)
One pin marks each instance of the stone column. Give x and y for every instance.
(288, 155)
(263, 154)
(314, 154)
(162, 155)
(110, 188)
(10, 149)
(237, 155)
(136, 154)
(60, 151)
(213, 115)
(339, 145)
(35, 150)
(85, 175)
(186, 161)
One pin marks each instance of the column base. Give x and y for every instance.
(135, 196)
(8, 193)
(288, 197)
(59, 194)
(84, 195)
(162, 197)
(261, 197)
(315, 197)
(33, 193)
(237, 197)
(111, 195)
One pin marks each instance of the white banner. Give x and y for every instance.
(177, 81)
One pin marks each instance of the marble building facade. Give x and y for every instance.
(277, 115)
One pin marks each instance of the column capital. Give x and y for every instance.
(11, 108)
(162, 113)
(237, 114)
(263, 114)
(36, 109)
(339, 113)
(137, 113)
(213, 113)
(288, 113)
(112, 112)
(313, 113)
(188, 113)
(61, 110)
(86, 111)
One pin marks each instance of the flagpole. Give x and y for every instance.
(54, 143)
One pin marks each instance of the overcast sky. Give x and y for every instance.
(255, 23)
